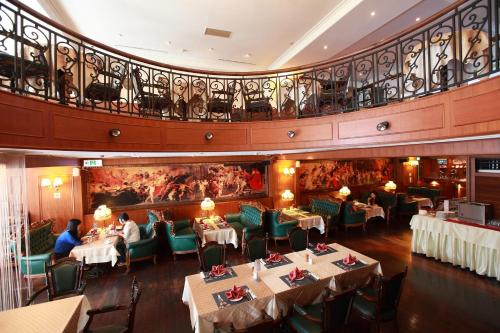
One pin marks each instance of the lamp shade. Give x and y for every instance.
(57, 182)
(45, 182)
(207, 204)
(287, 195)
(102, 213)
(344, 191)
(390, 185)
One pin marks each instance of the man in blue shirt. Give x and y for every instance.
(68, 239)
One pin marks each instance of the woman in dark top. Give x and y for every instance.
(373, 199)
(68, 239)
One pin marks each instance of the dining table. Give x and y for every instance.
(215, 229)
(68, 315)
(371, 211)
(271, 290)
(307, 220)
(99, 248)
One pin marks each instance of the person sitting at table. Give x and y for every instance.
(372, 199)
(130, 234)
(68, 239)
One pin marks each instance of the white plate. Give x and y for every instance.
(236, 299)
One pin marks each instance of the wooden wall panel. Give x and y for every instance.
(423, 119)
(465, 111)
(487, 189)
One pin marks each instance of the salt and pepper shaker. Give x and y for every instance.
(256, 269)
(309, 258)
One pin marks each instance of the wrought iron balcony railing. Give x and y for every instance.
(39, 57)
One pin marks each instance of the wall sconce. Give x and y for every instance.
(209, 136)
(290, 134)
(297, 164)
(289, 171)
(56, 184)
(412, 161)
(75, 172)
(115, 132)
(382, 126)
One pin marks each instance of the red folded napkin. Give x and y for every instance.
(217, 270)
(235, 292)
(274, 257)
(349, 260)
(321, 247)
(295, 274)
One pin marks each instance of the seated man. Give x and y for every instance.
(68, 239)
(129, 234)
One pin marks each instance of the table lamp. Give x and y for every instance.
(102, 213)
(207, 205)
(287, 195)
(344, 191)
(390, 186)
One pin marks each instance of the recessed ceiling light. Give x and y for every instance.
(372, 13)
(325, 47)
(168, 43)
(121, 35)
(417, 19)
(184, 50)
(211, 49)
(247, 55)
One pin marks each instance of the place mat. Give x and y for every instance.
(284, 261)
(222, 301)
(340, 263)
(308, 279)
(230, 273)
(312, 248)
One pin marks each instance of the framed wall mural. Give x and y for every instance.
(323, 175)
(150, 185)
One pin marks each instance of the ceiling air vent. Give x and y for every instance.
(237, 62)
(217, 33)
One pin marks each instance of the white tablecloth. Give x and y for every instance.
(68, 315)
(371, 211)
(221, 236)
(99, 251)
(306, 220)
(467, 246)
(273, 295)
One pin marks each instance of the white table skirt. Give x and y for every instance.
(466, 246)
(371, 211)
(306, 220)
(99, 251)
(221, 236)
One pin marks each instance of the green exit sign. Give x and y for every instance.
(92, 163)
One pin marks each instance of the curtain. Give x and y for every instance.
(13, 227)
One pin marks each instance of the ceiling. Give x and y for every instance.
(265, 34)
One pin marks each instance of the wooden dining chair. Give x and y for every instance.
(298, 239)
(212, 254)
(64, 278)
(264, 325)
(135, 295)
(257, 247)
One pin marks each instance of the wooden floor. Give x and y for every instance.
(437, 297)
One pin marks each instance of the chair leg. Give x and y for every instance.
(275, 243)
(128, 264)
(173, 253)
(154, 259)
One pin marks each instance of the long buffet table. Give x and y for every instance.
(462, 244)
(271, 293)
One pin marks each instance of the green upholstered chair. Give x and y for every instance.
(64, 278)
(146, 247)
(128, 327)
(41, 242)
(181, 237)
(256, 247)
(432, 193)
(298, 238)
(248, 222)
(212, 254)
(388, 201)
(405, 206)
(352, 217)
(379, 303)
(277, 226)
(329, 316)
(329, 210)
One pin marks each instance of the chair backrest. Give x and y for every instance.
(256, 247)
(211, 254)
(325, 207)
(264, 325)
(41, 239)
(390, 291)
(137, 84)
(65, 277)
(298, 239)
(251, 215)
(135, 295)
(336, 311)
